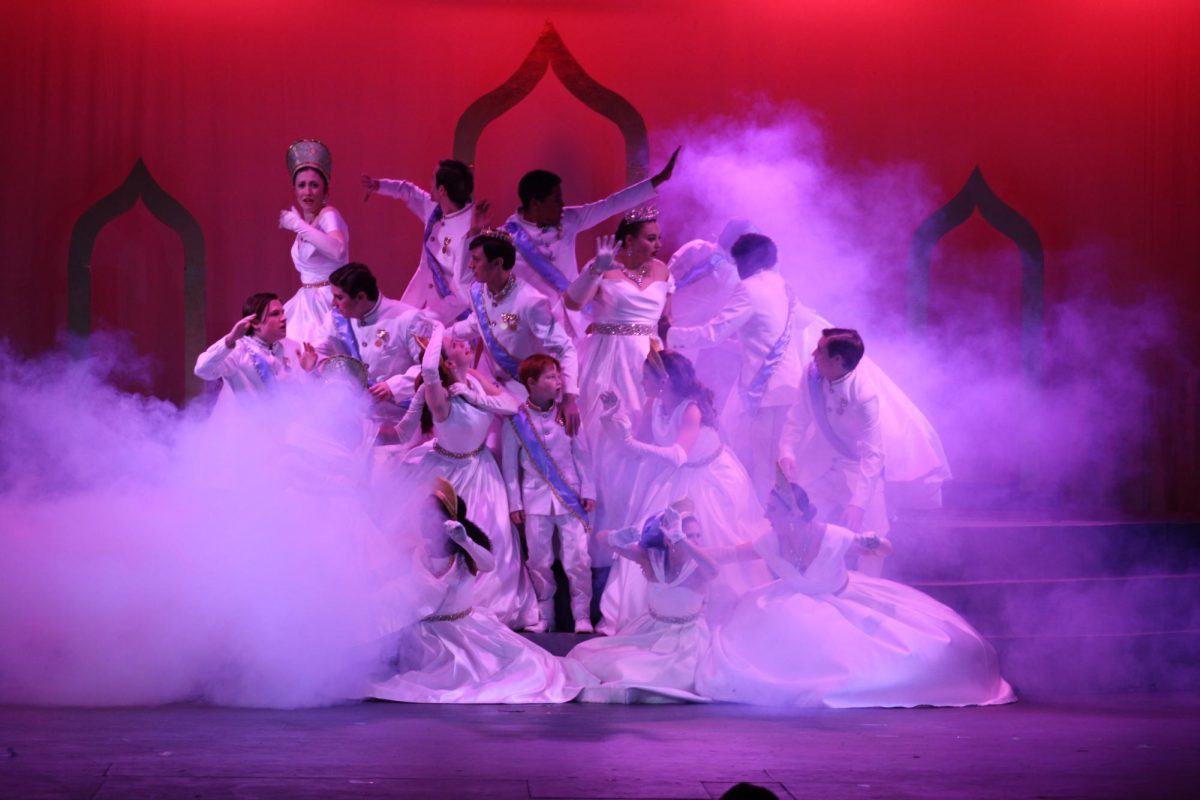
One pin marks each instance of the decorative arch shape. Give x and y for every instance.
(976, 194)
(170, 212)
(549, 51)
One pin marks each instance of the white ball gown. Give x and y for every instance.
(652, 658)
(825, 636)
(308, 309)
(462, 654)
(458, 453)
(723, 500)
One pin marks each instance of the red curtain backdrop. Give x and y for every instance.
(1082, 115)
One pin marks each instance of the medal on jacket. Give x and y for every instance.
(509, 321)
(446, 245)
(381, 338)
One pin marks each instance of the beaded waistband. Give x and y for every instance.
(622, 329)
(450, 454)
(675, 620)
(315, 285)
(704, 462)
(455, 617)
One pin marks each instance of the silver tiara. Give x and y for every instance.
(498, 234)
(646, 213)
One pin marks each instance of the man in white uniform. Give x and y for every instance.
(378, 331)
(832, 442)
(762, 314)
(439, 284)
(544, 230)
(255, 354)
(514, 321)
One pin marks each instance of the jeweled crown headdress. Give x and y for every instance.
(646, 213)
(309, 154)
(499, 234)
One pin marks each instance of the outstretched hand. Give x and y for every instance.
(665, 175)
(370, 187)
(308, 357)
(480, 216)
(606, 246)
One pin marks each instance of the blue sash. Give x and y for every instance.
(534, 258)
(545, 465)
(439, 280)
(697, 272)
(501, 356)
(816, 400)
(753, 394)
(262, 367)
(348, 338)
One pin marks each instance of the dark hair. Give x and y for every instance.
(627, 228)
(533, 367)
(256, 304)
(354, 278)
(495, 247)
(456, 178)
(474, 531)
(314, 168)
(800, 497)
(536, 185)
(845, 342)
(682, 377)
(753, 252)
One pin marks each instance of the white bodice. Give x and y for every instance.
(466, 427)
(618, 301)
(313, 266)
(676, 598)
(665, 430)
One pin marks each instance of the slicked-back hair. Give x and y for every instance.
(845, 342)
(456, 178)
(354, 278)
(494, 248)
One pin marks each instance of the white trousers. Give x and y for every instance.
(573, 546)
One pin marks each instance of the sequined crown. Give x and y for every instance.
(646, 213)
(499, 234)
(309, 153)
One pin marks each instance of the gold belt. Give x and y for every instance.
(622, 329)
(449, 454)
(675, 620)
(704, 462)
(314, 285)
(455, 617)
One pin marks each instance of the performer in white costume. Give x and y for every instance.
(764, 316)
(629, 298)
(679, 454)
(441, 281)
(705, 277)
(832, 444)
(255, 354)
(821, 635)
(460, 653)
(550, 489)
(457, 404)
(380, 332)
(544, 230)
(514, 320)
(653, 657)
(322, 242)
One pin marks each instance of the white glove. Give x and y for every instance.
(621, 422)
(625, 537)
(671, 526)
(433, 357)
(605, 247)
(290, 220)
(455, 531)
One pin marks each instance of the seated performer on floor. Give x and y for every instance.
(677, 453)
(821, 635)
(549, 488)
(461, 653)
(457, 405)
(440, 284)
(514, 320)
(256, 352)
(380, 332)
(652, 658)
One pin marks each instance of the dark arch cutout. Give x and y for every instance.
(166, 209)
(1010, 224)
(550, 51)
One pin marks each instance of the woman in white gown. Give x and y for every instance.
(678, 454)
(653, 657)
(322, 242)
(821, 635)
(461, 653)
(457, 404)
(628, 298)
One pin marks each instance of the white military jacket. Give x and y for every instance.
(526, 489)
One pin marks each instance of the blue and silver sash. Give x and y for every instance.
(546, 466)
(816, 400)
(347, 333)
(753, 394)
(499, 354)
(439, 278)
(262, 367)
(534, 258)
(697, 272)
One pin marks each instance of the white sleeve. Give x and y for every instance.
(556, 342)
(724, 323)
(417, 199)
(510, 458)
(587, 216)
(213, 363)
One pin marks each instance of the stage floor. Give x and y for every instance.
(1118, 746)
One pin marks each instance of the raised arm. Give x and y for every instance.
(328, 233)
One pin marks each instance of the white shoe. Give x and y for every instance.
(584, 626)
